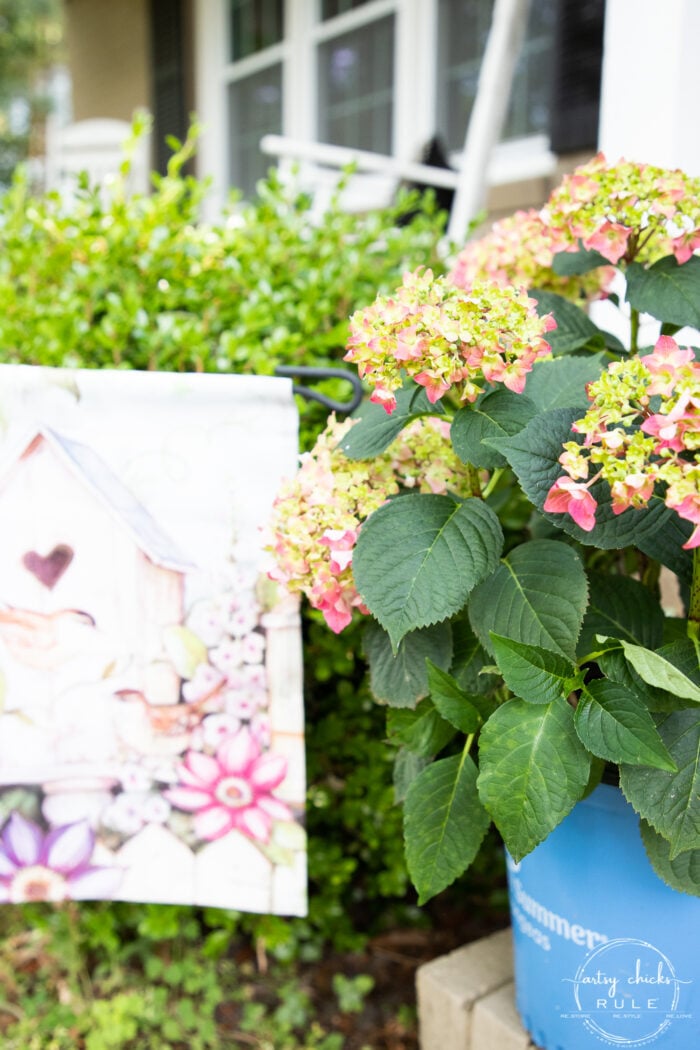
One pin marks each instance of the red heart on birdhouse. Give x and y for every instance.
(48, 568)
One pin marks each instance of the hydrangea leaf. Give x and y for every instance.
(469, 660)
(454, 704)
(620, 607)
(574, 327)
(670, 802)
(418, 558)
(615, 725)
(536, 675)
(422, 730)
(533, 768)
(375, 428)
(560, 382)
(667, 290)
(656, 670)
(407, 766)
(572, 264)
(537, 596)
(401, 679)
(498, 414)
(681, 873)
(444, 824)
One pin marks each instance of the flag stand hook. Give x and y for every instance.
(310, 372)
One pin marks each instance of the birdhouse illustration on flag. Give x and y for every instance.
(150, 679)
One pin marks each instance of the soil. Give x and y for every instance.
(392, 960)
(388, 1018)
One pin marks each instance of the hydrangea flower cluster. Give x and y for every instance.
(635, 443)
(626, 211)
(447, 339)
(519, 250)
(318, 514)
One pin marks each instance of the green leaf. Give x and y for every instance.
(534, 769)
(422, 730)
(419, 556)
(375, 428)
(681, 873)
(572, 264)
(574, 327)
(401, 679)
(615, 667)
(452, 702)
(470, 659)
(670, 802)
(620, 607)
(536, 675)
(407, 766)
(537, 596)
(615, 725)
(656, 670)
(667, 290)
(498, 414)
(534, 456)
(444, 824)
(560, 382)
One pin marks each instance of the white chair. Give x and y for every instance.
(97, 147)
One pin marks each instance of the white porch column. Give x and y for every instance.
(651, 83)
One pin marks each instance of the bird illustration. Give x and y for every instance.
(171, 719)
(163, 730)
(45, 641)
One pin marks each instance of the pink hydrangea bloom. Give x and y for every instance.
(633, 448)
(571, 497)
(233, 790)
(318, 515)
(626, 211)
(448, 339)
(519, 250)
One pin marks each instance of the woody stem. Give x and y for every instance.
(634, 330)
(473, 480)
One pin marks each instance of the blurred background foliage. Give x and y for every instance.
(31, 41)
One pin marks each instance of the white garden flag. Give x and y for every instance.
(151, 721)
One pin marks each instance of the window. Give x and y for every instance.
(331, 8)
(356, 87)
(463, 27)
(255, 108)
(378, 75)
(255, 34)
(255, 25)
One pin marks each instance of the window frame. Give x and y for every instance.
(415, 85)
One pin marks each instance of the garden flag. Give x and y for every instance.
(151, 722)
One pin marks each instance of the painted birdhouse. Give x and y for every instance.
(88, 578)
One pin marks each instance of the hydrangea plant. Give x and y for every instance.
(511, 571)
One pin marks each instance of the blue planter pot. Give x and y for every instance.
(605, 953)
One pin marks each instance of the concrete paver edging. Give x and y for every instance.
(466, 999)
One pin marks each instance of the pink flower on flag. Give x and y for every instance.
(232, 791)
(53, 865)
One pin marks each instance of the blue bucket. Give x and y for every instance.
(605, 952)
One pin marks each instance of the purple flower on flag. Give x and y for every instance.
(53, 865)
